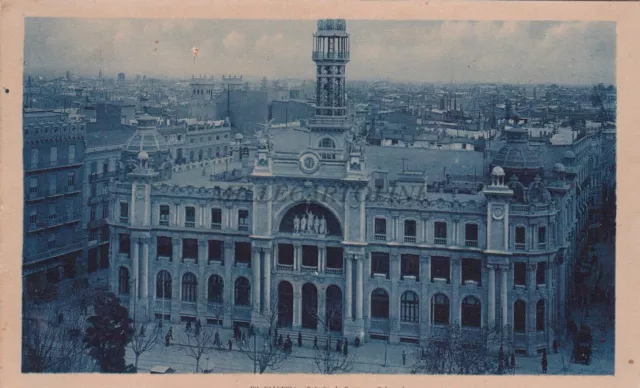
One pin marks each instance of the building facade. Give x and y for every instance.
(332, 235)
(53, 153)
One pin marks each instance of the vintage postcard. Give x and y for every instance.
(317, 191)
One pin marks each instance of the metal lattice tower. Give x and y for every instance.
(331, 54)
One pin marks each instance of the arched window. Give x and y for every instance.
(471, 312)
(216, 289)
(440, 309)
(409, 307)
(192, 156)
(540, 315)
(163, 285)
(380, 304)
(189, 287)
(123, 283)
(242, 291)
(327, 143)
(519, 316)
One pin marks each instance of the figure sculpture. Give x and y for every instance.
(296, 224)
(323, 225)
(316, 225)
(303, 224)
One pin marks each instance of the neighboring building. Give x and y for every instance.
(113, 116)
(205, 141)
(381, 242)
(288, 111)
(245, 109)
(53, 153)
(121, 78)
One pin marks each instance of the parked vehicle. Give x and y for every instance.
(582, 346)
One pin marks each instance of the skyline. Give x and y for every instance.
(574, 53)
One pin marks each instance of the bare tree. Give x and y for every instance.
(263, 349)
(52, 339)
(146, 335)
(559, 332)
(457, 353)
(199, 343)
(327, 360)
(218, 309)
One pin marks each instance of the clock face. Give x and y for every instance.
(309, 163)
(140, 194)
(498, 213)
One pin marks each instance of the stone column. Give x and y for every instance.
(135, 276)
(176, 280)
(228, 282)
(492, 296)
(348, 292)
(455, 283)
(503, 294)
(359, 287)
(255, 268)
(203, 296)
(297, 257)
(267, 280)
(297, 307)
(321, 259)
(394, 308)
(176, 214)
(531, 308)
(144, 276)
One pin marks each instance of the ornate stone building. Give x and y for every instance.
(338, 235)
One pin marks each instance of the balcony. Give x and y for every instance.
(382, 276)
(164, 222)
(189, 224)
(333, 271)
(163, 258)
(243, 228)
(53, 252)
(124, 220)
(410, 239)
(306, 268)
(471, 243)
(380, 237)
(440, 241)
(520, 246)
(189, 260)
(410, 278)
(241, 264)
(322, 56)
(216, 225)
(542, 246)
(285, 267)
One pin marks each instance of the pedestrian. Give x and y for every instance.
(188, 328)
(299, 339)
(315, 342)
(197, 332)
(513, 361)
(404, 358)
(243, 337)
(338, 342)
(166, 339)
(544, 362)
(216, 339)
(555, 346)
(142, 330)
(345, 349)
(357, 342)
(170, 333)
(230, 343)
(280, 341)
(251, 332)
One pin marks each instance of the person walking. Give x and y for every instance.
(544, 363)
(345, 348)
(513, 361)
(315, 343)
(230, 344)
(216, 339)
(299, 339)
(188, 328)
(404, 358)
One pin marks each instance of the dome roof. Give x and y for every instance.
(516, 154)
(239, 136)
(497, 171)
(143, 155)
(559, 167)
(146, 138)
(569, 155)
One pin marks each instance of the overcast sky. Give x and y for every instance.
(420, 51)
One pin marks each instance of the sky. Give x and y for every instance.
(403, 51)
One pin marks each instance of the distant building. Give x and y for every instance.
(291, 110)
(53, 153)
(121, 78)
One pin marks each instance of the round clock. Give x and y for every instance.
(498, 213)
(140, 194)
(309, 162)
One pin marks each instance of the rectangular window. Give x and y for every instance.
(164, 247)
(520, 274)
(165, 213)
(410, 266)
(440, 268)
(409, 231)
(124, 212)
(51, 243)
(541, 273)
(33, 186)
(243, 220)
(190, 217)
(520, 237)
(53, 156)
(92, 214)
(34, 158)
(93, 235)
(216, 218)
(242, 253)
(542, 237)
(124, 244)
(379, 183)
(72, 153)
(380, 263)
(105, 210)
(33, 216)
(440, 233)
(190, 249)
(53, 184)
(380, 229)
(52, 212)
(472, 270)
(94, 191)
(471, 235)
(71, 179)
(215, 250)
